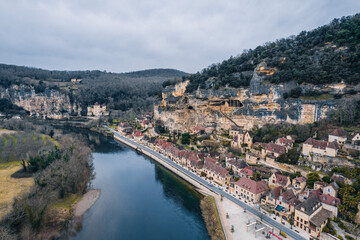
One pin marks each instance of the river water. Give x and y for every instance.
(139, 199)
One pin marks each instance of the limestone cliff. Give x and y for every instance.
(48, 104)
(258, 104)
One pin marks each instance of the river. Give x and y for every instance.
(139, 199)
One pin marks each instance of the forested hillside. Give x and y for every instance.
(328, 54)
(119, 91)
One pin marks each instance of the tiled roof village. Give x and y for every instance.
(249, 170)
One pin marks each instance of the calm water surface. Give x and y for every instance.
(139, 199)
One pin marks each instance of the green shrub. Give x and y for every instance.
(340, 237)
(349, 237)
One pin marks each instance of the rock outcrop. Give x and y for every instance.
(48, 104)
(256, 105)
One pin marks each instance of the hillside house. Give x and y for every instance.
(328, 202)
(319, 185)
(272, 197)
(234, 130)
(97, 110)
(299, 184)
(252, 158)
(319, 147)
(247, 172)
(339, 178)
(338, 135)
(274, 149)
(217, 173)
(251, 190)
(331, 189)
(356, 139)
(240, 139)
(236, 166)
(310, 216)
(286, 142)
(278, 179)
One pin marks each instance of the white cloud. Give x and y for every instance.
(123, 36)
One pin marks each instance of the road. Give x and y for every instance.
(248, 208)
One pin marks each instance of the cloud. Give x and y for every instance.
(121, 36)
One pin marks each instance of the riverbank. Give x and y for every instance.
(86, 202)
(267, 223)
(198, 186)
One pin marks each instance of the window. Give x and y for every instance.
(297, 218)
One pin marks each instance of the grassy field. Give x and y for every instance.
(11, 187)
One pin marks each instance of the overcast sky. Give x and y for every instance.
(121, 36)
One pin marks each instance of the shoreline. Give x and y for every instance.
(86, 202)
(197, 186)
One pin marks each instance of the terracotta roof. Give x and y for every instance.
(287, 195)
(138, 134)
(213, 160)
(247, 171)
(340, 132)
(326, 198)
(300, 179)
(238, 163)
(285, 142)
(321, 144)
(252, 186)
(198, 128)
(230, 155)
(320, 183)
(281, 179)
(272, 147)
(213, 167)
(257, 144)
(277, 191)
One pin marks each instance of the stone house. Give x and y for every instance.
(252, 158)
(311, 216)
(329, 202)
(247, 172)
(97, 110)
(323, 148)
(251, 190)
(286, 142)
(319, 185)
(234, 130)
(339, 178)
(299, 184)
(236, 166)
(272, 197)
(241, 138)
(331, 189)
(274, 149)
(356, 139)
(278, 179)
(217, 173)
(338, 135)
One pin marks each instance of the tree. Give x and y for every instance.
(312, 178)
(185, 138)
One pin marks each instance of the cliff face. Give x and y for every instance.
(50, 103)
(259, 104)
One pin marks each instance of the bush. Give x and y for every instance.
(349, 237)
(340, 237)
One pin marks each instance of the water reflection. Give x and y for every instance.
(139, 199)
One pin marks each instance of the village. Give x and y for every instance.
(304, 195)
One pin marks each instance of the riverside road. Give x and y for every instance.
(248, 208)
